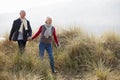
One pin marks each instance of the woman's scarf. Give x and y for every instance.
(48, 31)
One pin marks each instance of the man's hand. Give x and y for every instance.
(9, 40)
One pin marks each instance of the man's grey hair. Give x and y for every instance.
(22, 11)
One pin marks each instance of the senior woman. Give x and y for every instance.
(47, 32)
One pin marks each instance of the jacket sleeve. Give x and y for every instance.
(37, 33)
(55, 37)
(29, 29)
(12, 31)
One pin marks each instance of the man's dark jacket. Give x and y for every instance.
(15, 30)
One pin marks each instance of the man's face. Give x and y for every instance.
(49, 21)
(22, 14)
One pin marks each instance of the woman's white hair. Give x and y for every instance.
(48, 18)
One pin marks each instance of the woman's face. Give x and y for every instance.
(49, 21)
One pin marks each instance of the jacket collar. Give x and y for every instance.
(20, 20)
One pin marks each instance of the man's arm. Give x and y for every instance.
(12, 31)
(29, 29)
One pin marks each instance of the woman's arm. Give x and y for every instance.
(55, 37)
(37, 33)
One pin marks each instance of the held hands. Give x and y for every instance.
(29, 38)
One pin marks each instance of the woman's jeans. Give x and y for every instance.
(48, 48)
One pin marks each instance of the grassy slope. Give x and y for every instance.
(81, 56)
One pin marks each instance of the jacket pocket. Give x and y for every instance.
(15, 36)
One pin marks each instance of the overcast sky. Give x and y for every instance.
(94, 16)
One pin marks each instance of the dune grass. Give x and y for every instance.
(79, 53)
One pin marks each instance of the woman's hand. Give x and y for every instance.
(58, 45)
